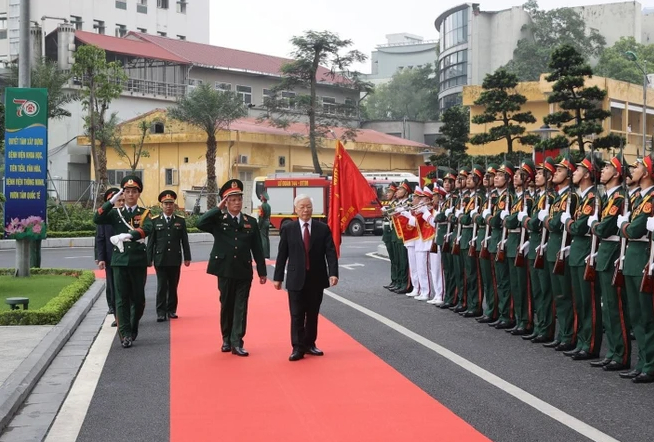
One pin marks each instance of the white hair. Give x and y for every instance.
(300, 197)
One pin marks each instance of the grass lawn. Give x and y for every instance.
(38, 288)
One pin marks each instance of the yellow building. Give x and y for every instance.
(176, 154)
(624, 100)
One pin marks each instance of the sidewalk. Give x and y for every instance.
(27, 351)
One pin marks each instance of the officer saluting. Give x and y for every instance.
(129, 260)
(236, 239)
(165, 246)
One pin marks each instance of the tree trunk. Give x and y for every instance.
(312, 117)
(509, 144)
(212, 188)
(580, 141)
(101, 172)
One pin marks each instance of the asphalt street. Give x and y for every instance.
(135, 390)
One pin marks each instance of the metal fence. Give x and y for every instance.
(71, 191)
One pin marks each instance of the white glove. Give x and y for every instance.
(522, 215)
(504, 214)
(116, 196)
(423, 209)
(565, 216)
(591, 220)
(426, 216)
(650, 224)
(524, 247)
(622, 219)
(542, 214)
(474, 211)
(458, 212)
(118, 240)
(485, 213)
(406, 214)
(448, 212)
(125, 237)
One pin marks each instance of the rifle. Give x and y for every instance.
(520, 254)
(618, 277)
(434, 246)
(456, 248)
(472, 250)
(589, 271)
(485, 254)
(559, 265)
(448, 233)
(647, 283)
(501, 248)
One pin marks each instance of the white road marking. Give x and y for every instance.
(70, 418)
(78, 257)
(549, 410)
(375, 255)
(349, 266)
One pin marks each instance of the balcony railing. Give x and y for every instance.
(145, 87)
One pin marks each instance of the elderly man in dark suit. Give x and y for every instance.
(309, 248)
(104, 249)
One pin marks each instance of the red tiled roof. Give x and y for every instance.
(125, 46)
(218, 57)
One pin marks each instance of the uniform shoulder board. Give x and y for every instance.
(180, 216)
(156, 216)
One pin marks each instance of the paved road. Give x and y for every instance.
(508, 389)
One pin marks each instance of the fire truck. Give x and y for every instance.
(282, 188)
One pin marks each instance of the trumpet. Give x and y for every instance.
(404, 207)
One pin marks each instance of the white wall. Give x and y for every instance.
(613, 20)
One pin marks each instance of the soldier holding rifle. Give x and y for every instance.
(484, 235)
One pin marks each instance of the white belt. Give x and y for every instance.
(641, 239)
(444, 223)
(514, 230)
(386, 223)
(612, 238)
(467, 227)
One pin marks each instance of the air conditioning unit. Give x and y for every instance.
(242, 159)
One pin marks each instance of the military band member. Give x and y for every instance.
(483, 240)
(634, 227)
(387, 233)
(423, 245)
(436, 252)
(444, 241)
(474, 294)
(520, 287)
(236, 241)
(129, 260)
(411, 236)
(561, 284)
(167, 247)
(614, 301)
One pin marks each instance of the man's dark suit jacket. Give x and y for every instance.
(322, 255)
(103, 247)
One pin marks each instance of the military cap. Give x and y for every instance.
(393, 186)
(529, 168)
(507, 168)
(110, 192)
(589, 163)
(264, 196)
(406, 186)
(648, 163)
(549, 165)
(464, 171)
(566, 164)
(132, 181)
(427, 192)
(231, 187)
(619, 164)
(418, 191)
(167, 196)
(492, 168)
(450, 175)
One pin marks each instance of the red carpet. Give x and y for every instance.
(347, 395)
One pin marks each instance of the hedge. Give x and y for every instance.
(56, 308)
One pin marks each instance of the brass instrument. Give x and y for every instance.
(404, 207)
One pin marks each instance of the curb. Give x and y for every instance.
(20, 383)
(55, 243)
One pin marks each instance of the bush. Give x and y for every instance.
(81, 218)
(56, 308)
(73, 234)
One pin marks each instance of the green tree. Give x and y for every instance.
(614, 64)
(209, 110)
(138, 150)
(581, 113)
(411, 94)
(313, 50)
(548, 30)
(102, 82)
(455, 130)
(502, 104)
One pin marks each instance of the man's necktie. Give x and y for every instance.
(307, 244)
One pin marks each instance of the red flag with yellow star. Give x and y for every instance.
(349, 194)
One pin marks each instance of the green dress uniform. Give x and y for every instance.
(485, 265)
(264, 225)
(401, 254)
(130, 265)
(236, 241)
(641, 310)
(474, 289)
(614, 300)
(459, 260)
(168, 246)
(561, 284)
(387, 239)
(501, 268)
(446, 258)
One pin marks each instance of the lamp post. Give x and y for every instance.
(631, 56)
(545, 133)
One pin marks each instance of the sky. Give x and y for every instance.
(266, 26)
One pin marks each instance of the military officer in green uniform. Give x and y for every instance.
(565, 201)
(387, 234)
(169, 239)
(443, 226)
(236, 240)
(634, 226)
(458, 257)
(474, 292)
(129, 260)
(614, 301)
(483, 240)
(264, 224)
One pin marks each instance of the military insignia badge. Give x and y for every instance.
(613, 211)
(501, 205)
(247, 226)
(647, 208)
(588, 210)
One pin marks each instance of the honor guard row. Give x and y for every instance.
(538, 251)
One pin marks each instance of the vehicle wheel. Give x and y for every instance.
(355, 228)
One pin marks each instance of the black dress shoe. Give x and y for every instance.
(555, 343)
(315, 351)
(494, 323)
(296, 355)
(583, 355)
(601, 363)
(530, 336)
(615, 366)
(629, 374)
(565, 347)
(505, 325)
(542, 339)
(111, 312)
(403, 291)
(113, 324)
(127, 342)
(239, 351)
(520, 332)
(572, 352)
(509, 330)
(643, 378)
(173, 315)
(225, 348)
(445, 305)
(470, 314)
(459, 309)
(161, 318)
(388, 286)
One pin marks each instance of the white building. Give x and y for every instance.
(401, 51)
(183, 19)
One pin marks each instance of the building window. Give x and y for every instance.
(268, 95)
(181, 37)
(454, 29)
(3, 28)
(157, 127)
(288, 100)
(172, 177)
(349, 109)
(453, 70)
(76, 21)
(121, 30)
(98, 26)
(245, 92)
(450, 101)
(193, 82)
(162, 4)
(223, 87)
(181, 6)
(329, 105)
(142, 30)
(115, 176)
(142, 6)
(121, 4)
(162, 34)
